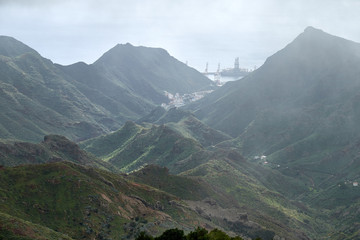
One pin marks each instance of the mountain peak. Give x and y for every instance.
(10, 47)
(121, 45)
(311, 29)
(314, 46)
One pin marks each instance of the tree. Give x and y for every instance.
(217, 234)
(198, 234)
(172, 234)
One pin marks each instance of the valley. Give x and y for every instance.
(98, 151)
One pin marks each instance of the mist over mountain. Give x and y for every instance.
(301, 111)
(82, 101)
(307, 91)
(274, 155)
(316, 69)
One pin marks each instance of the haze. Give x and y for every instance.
(192, 31)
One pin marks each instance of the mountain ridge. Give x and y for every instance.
(82, 101)
(10, 47)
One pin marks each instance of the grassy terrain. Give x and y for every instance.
(186, 124)
(86, 203)
(134, 146)
(13, 228)
(53, 148)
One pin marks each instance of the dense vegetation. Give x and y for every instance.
(197, 234)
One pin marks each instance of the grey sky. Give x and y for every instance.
(197, 31)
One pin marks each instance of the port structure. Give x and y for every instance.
(228, 72)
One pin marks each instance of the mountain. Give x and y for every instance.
(161, 137)
(36, 100)
(146, 70)
(85, 203)
(10, 47)
(300, 112)
(186, 124)
(53, 148)
(287, 165)
(302, 100)
(206, 176)
(81, 101)
(132, 80)
(315, 69)
(59, 165)
(134, 146)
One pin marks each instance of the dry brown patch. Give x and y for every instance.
(106, 198)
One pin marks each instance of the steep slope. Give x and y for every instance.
(210, 176)
(227, 187)
(54, 148)
(36, 100)
(178, 136)
(81, 101)
(300, 110)
(86, 203)
(134, 146)
(303, 99)
(132, 80)
(213, 201)
(18, 229)
(148, 71)
(10, 47)
(186, 124)
(315, 69)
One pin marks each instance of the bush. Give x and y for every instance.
(172, 234)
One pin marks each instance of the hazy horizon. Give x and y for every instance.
(195, 32)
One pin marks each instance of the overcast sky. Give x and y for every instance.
(196, 31)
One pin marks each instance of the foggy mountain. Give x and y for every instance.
(82, 101)
(315, 70)
(274, 155)
(301, 110)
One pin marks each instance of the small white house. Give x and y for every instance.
(355, 184)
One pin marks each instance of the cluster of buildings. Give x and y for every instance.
(354, 183)
(177, 100)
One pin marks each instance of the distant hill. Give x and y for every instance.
(150, 70)
(162, 137)
(134, 146)
(185, 123)
(205, 175)
(315, 70)
(300, 103)
(82, 101)
(300, 110)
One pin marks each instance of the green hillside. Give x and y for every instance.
(186, 124)
(53, 148)
(134, 146)
(274, 155)
(85, 203)
(214, 175)
(14, 228)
